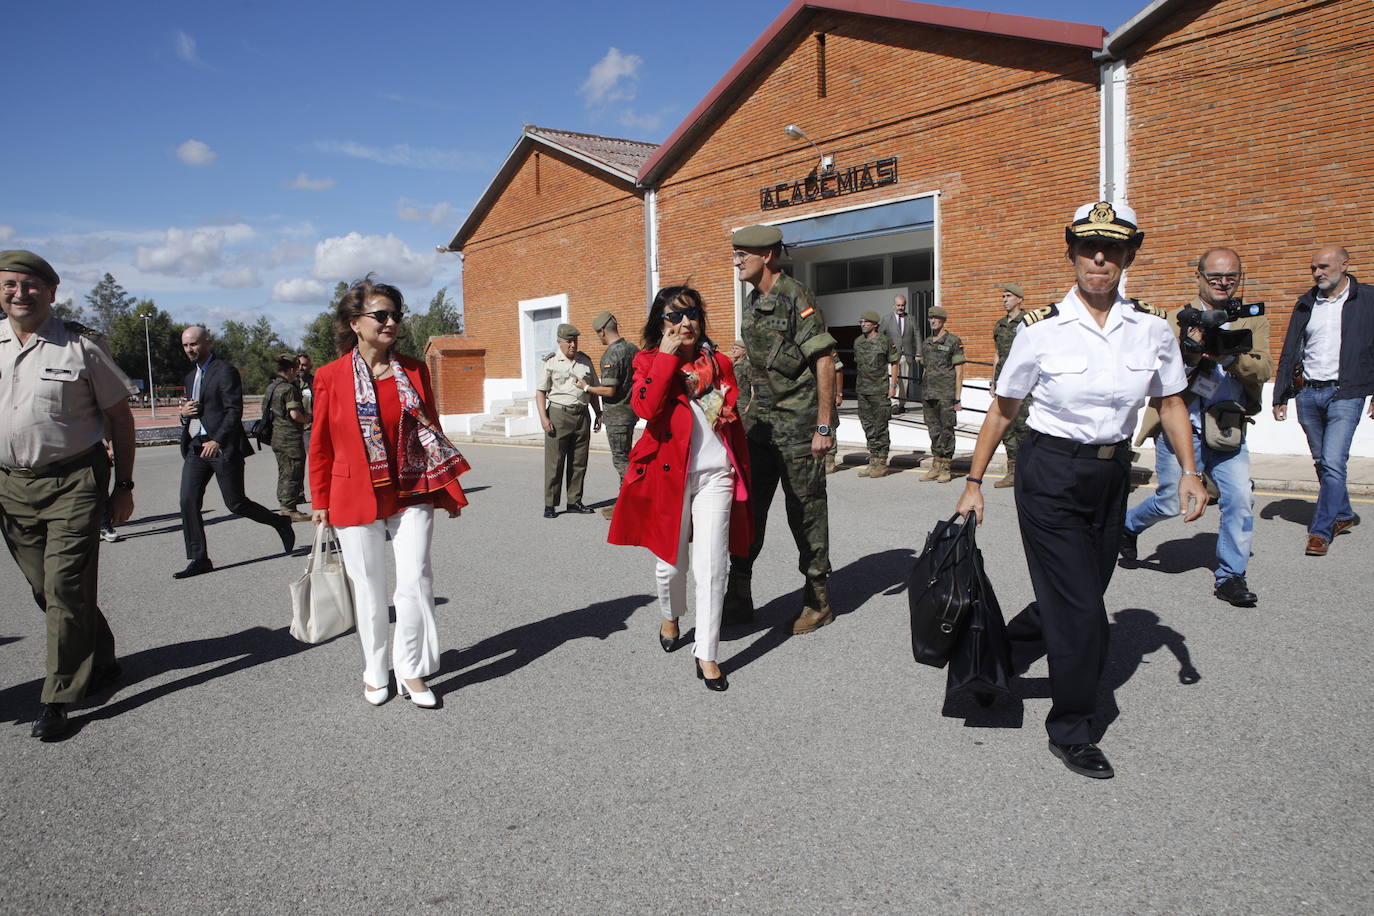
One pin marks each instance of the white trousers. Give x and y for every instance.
(415, 649)
(706, 520)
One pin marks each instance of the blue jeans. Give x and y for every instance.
(1231, 473)
(1330, 427)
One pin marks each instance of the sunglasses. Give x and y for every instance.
(382, 316)
(675, 316)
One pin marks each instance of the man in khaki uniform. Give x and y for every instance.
(561, 398)
(60, 391)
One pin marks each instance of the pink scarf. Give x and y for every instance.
(426, 461)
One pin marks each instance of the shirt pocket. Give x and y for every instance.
(56, 389)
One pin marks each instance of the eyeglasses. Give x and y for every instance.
(382, 316)
(1222, 279)
(675, 316)
(28, 286)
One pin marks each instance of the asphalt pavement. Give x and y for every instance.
(576, 768)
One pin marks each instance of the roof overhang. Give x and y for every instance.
(1116, 43)
(793, 18)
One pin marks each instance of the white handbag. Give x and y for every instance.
(322, 598)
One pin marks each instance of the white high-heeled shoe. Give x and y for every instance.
(425, 699)
(376, 697)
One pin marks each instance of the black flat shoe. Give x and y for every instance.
(580, 509)
(550, 512)
(194, 568)
(1084, 759)
(718, 684)
(52, 723)
(1235, 591)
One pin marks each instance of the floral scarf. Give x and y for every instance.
(700, 377)
(426, 461)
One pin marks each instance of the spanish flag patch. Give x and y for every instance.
(808, 311)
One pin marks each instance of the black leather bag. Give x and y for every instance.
(981, 661)
(943, 589)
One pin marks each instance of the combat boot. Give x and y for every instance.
(934, 470)
(1009, 478)
(738, 607)
(816, 611)
(877, 466)
(943, 475)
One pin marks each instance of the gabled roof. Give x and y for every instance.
(794, 17)
(620, 159)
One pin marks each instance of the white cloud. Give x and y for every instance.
(191, 252)
(302, 290)
(354, 255)
(194, 152)
(630, 118)
(304, 182)
(612, 79)
(403, 154)
(237, 278)
(6, 233)
(186, 49)
(415, 212)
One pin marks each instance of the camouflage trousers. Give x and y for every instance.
(804, 498)
(940, 421)
(1011, 439)
(875, 413)
(290, 476)
(620, 436)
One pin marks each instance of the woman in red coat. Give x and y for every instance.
(379, 465)
(688, 478)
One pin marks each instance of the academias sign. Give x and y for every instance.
(831, 183)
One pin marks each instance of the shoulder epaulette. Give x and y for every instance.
(77, 327)
(551, 356)
(1148, 309)
(1040, 314)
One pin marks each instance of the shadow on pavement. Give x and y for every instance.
(504, 653)
(1134, 634)
(1290, 509)
(1179, 555)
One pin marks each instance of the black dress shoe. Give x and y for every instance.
(669, 643)
(1084, 759)
(1128, 548)
(194, 568)
(580, 509)
(1237, 592)
(287, 532)
(717, 684)
(550, 512)
(52, 723)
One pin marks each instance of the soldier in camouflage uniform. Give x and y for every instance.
(617, 370)
(942, 355)
(283, 399)
(875, 361)
(792, 363)
(1003, 333)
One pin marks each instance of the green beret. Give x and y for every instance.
(1014, 289)
(600, 321)
(26, 262)
(937, 312)
(756, 237)
(870, 315)
(568, 332)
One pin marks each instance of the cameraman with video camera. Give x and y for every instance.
(1225, 343)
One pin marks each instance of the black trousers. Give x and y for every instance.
(1071, 508)
(195, 477)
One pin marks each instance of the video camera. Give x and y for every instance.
(1217, 341)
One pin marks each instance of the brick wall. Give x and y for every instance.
(559, 226)
(457, 371)
(1006, 130)
(1250, 127)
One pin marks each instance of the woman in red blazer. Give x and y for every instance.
(688, 478)
(379, 464)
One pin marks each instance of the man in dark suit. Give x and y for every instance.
(902, 331)
(213, 443)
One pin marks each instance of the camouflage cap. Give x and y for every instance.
(938, 312)
(1014, 289)
(600, 321)
(756, 237)
(870, 315)
(568, 332)
(1116, 223)
(26, 262)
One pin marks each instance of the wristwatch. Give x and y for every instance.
(824, 430)
(124, 485)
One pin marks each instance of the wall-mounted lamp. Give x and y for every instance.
(796, 133)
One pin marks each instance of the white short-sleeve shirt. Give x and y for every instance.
(1088, 383)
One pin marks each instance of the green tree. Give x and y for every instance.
(318, 339)
(254, 349)
(68, 310)
(130, 339)
(108, 300)
(443, 317)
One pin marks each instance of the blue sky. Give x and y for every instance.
(237, 159)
